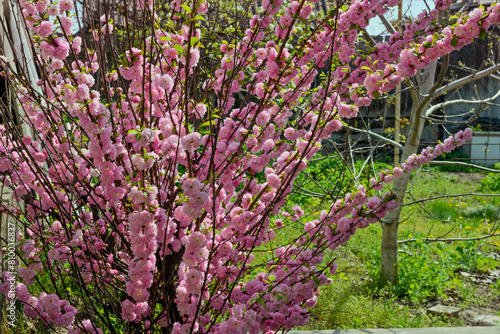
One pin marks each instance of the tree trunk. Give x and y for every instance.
(389, 248)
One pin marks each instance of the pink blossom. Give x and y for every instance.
(199, 199)
(59, 49)
(107, 29)
(405, 71)
(67, 24)
(53, 10)
(273, 180)
(397, 172)
(128, 313)
(261, 53)
(191, 186)
(67, 319)
(272, 69)
(28, 275)
(191, 141)
(45, 29)
(66, 5)
(190, 210)
(21, 290)
(344, 224)
(137, 196)
(306, 11)
(194, 57)
(83, 92)
(286, 20)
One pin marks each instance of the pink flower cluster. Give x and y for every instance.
(428, 154)
(143, 233)
(197, 197)
(146, 184)
(47, 307)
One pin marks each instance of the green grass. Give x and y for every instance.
(427, 271)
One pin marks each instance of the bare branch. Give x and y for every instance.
(471, 70)
(405, 252)
(376, 135)
(315, 182)
(447, 196)
(488, 101)
(465, 164)
(369, 38)
(449, 239)
(465, 80)
(465, 7)
(387, 24)
(447, 121)
(306, 192)
(324, 158)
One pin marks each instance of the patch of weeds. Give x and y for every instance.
(465, 291)
(443, 210)
(323, 176)
(331, 306)
(495, 289)
(487, 211)
(425, 270)
(491, 181)
(485, 264)
(354, 310)
(465, 255)
(423, 274)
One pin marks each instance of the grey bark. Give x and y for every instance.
(389, 248)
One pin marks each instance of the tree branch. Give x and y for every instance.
(305, 192)
(438, 163)
(436, 107)
(324, 158)
(465, 80)
(376, 135)
(465, 164)
(369, 38)
(387, 24)
(447, 196)
(449, 239)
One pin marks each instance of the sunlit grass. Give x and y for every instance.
(355, 300)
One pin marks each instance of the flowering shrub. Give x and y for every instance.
(140, 193)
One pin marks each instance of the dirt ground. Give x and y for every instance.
(469, 177)
(486, 302)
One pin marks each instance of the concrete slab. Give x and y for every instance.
(429, 330)
(442, 310)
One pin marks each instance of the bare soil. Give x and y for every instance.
(485, 301)
(469, 177)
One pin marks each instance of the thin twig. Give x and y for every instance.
(449, 239)
(446, 196)
(465, 164)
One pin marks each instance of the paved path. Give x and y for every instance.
(430, 330)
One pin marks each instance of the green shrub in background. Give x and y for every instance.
(324, 178)
(487, 211)
(441, 210)
(368, 168)
(492, 180)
